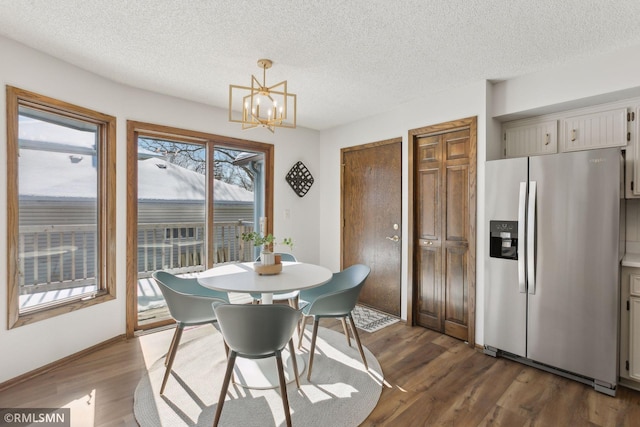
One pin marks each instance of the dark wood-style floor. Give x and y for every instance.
(432, 380)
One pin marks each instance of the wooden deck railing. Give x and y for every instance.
(54, 257)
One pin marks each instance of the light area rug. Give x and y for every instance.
(371, 320)
(341, 391)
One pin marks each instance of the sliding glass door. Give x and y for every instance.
(190, 198)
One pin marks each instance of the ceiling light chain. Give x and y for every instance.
(279, 103)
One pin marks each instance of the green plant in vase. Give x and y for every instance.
(267, 242)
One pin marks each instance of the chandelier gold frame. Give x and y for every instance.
(244, 103)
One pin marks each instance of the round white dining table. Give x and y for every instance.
(241, 277)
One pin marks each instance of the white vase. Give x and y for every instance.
(268, 258)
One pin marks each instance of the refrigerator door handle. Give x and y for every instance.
(522, 206)
(531, 238)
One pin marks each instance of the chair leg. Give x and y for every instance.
(346, 331)
(283, 388)
(357, 337)
(172, 355)
(293, 303)
(226, 352)
(312, 350)
(225, 386)
(303, 324)
(294, 361)
(173, 341)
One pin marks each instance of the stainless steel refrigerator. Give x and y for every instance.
(551, 284)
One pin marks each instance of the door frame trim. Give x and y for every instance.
(472, 124)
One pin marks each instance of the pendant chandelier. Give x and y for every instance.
(262, 105)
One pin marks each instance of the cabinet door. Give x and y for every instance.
(596, 130)
(634, 285)
(633, 156)
(531, 139)
(634, 338)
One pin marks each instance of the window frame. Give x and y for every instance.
(136, 129)
(106, 206)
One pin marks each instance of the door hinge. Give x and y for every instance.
(628, 305)
(628, 136)
(505, 136)
(626, 365)
(631, 116)
(631, 185)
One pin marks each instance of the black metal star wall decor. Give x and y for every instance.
(299, 178)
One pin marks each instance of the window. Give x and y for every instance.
(192, 195)
(61, 198)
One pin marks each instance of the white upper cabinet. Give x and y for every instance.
(594, 130)
(530, 139)
(632, 189)
(616, 124)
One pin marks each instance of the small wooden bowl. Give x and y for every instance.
(267, 269)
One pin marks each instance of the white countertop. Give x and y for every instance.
(631, 260)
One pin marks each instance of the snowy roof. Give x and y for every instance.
(161, 180)
(48, 175)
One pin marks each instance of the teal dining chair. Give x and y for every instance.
(257, 332)
(335, 299)
(189, 304)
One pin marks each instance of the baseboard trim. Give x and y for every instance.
(60, 362)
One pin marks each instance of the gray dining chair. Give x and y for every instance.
(336, 299)
(189, 304)
(257, 332)
(291, 297)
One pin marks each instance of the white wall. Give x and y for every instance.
(633, 226)
(29, 347)
(582, 83)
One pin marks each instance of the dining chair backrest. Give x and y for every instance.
(256, 331)
(185, 306)
(188, 285)
(284, 256)
(339, 296)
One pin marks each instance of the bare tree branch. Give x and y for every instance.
(192, 157)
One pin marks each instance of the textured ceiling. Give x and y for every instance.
(345, 59)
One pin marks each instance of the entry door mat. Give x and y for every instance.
(371, 320)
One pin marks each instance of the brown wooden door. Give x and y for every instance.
(444, 182)
(371, 215)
